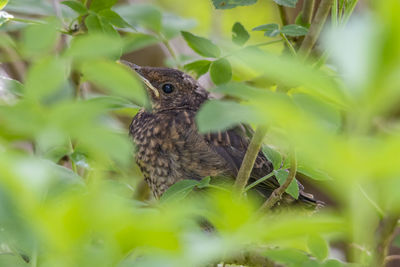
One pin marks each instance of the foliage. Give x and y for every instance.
(67, 173)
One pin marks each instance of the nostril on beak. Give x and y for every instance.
(130, 64)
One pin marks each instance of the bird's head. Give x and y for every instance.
(170, 88)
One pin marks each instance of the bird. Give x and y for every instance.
(169, 147)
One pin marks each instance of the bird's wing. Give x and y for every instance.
(232, 145)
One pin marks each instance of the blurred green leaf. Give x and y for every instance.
(293, 189)
(145, 15)
(114, 18)
(45, 77)
(271, 29)
(239, 34)
(225, 114)
(93, 23)
(40, 39)
(136, 41)
(172, 25)
(221, 71)
(11, 85)
(87, 47)
(288, 3)
(228, 4)
(98, 5)
(333, 263)
(77, 6)
(204, 182)
(294, 30)
(200, 45)
(3, 3)
(290, 256)
(112, 102)
(318, 247)
(273, 156)
(313, 173)
(200, 67)
(179, 190)
(115, 78)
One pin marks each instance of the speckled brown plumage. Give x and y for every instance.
(169, 147)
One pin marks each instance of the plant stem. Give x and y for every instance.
(307, 11)
(250, 186)
(334, 13)
(29, 21)
(277, 193)
(282, 13)
(268, 43)
(385, 234)
(249, 159)
(349, 11)
(171, 50)
(289, 44)
(316, 27)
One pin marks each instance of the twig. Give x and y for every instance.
(282, 13)
(277, 193)
(316, 27)
(307, 11)
(249, 159)
(384, 237)
(289, 44)
(256, 182)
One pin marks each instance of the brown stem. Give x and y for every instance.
(282, 13)
(384, 236)
(307, 11)
(316, 27)
(249, 159)
(277, 193)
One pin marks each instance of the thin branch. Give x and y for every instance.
(277, 193)
(282, 13)
(307, 11)
(249, 159)
(384, 237)
(289, 44)
(316, 27)
(256, 182)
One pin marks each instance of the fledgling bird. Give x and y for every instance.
(169, 146)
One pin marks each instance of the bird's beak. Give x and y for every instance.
(137, 69)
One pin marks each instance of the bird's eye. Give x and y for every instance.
(168, 88)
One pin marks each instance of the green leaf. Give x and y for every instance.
(290, 256)
(288, 3)
(294, 30)
(98, 5)
(12, 86)
(228, 4)
(97, 24)
(115, 78)
(221, 71)
(78, 7)
(45, 77)
(318, 247)
(271, 29)
(217, 115)
(87, 47)
(113, 18)
(3, 3)
(239, 34)
(147, 16)
(273, 156)
(172, 25)
(333, 263)
(199, 67)
(204, 182)
(313, 173)
(293, 189)
(179, 190)
(39, 39)
(200, 45)
(112, 102)
(136, 41)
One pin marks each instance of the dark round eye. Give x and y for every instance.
(168, 88)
